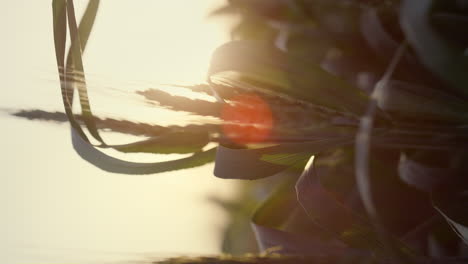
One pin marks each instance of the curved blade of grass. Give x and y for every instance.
(59, 15)
(111, 164)
(75, 66)
(362, 162)
(59, 8)
(80, 142)
(446, 61)
(75, 61)
(60, 12)
(84, 31)
(422, 176)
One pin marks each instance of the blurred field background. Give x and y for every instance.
(57, 208)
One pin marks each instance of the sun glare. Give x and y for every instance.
(167, 42)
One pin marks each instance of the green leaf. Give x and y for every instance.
(114, 165)
(286, 159)
(60, 32)
(422, 176)
(420, 102)
(87, 23)
(326, 211)
(181, 142)
(263, 66)
(276, 223)
(263, 162)
(441, 57)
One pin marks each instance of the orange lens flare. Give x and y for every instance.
(248, 119)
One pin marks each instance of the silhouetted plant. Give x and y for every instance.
(361, 106)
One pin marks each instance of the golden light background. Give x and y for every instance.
(57, 208)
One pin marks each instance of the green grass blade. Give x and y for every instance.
(181, 143)
(75, 65)
(111, 164)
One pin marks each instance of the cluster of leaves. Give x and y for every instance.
(408, 56)
(369, 106)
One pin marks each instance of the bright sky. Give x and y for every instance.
(56, 207)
